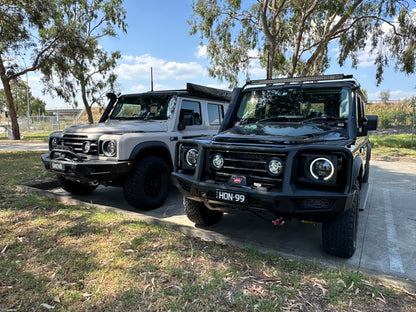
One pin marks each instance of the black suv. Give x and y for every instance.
(290, 148)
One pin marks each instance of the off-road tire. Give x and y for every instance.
(147, 186)
(73, 187)
(339, 235)
(198, 213)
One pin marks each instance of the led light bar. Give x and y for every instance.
(303, 79)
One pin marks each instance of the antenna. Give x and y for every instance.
(151, 78)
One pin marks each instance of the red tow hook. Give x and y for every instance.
(278, 222)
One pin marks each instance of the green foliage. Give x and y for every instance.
(19, 91)
(392, 114)
(80, 63)
(291, 37)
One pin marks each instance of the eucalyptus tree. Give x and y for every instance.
(46, 36)
(80, 66)
(25, 33)
(291, 37)
(23, 99)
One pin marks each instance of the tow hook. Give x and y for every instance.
(278, 221)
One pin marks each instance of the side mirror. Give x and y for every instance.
(372, 122)
(186, 120)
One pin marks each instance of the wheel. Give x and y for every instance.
(199, 214)
(74, 187)
(147, 186)
(339, 235)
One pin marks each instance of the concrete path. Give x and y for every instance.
(23, 146)
(386, 234)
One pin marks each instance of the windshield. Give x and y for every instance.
(144, 107)
(294, 104)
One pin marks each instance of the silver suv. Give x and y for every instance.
(132, 146)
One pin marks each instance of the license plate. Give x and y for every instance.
(231, 196)
(57, 166)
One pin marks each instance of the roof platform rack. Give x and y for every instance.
(304, 79)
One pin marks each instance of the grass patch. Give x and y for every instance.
(29, 136)
(396, 145)
(78, 258)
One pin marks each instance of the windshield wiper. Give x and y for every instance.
(276, 118)
(324, 119)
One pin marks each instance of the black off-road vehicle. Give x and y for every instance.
(293, 148)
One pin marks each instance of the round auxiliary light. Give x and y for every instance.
(274, 166)
(217, 161)
(86, 147)
(55, 141)
(109, 148)
(191, 157)
(322, 169)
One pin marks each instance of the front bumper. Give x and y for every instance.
(302, 204)
(101, 171)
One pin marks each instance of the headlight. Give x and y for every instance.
(274, 166)
(322, 169)
(109, 148)
(55, 141)
(86, 147)
(217, 161)
(191, 157)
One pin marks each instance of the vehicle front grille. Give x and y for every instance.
(75, 142)
(250, 164)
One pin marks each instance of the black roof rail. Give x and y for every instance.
(304, 79)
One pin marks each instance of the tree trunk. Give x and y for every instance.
(86, 105)
(9, 101)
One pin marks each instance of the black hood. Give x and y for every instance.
(273, 133)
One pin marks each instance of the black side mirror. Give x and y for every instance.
(186, 120)
(372, 122)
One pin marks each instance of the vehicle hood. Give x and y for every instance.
(120, 126)
(273, 133)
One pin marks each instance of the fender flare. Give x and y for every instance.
(146, 147)
(357, 166)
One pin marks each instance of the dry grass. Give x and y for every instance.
(78, 258)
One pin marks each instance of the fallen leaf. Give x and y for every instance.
(47, 306)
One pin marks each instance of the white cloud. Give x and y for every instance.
(201, 52)
(394, 95)
(138, 67)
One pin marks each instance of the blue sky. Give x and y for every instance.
(158, 37)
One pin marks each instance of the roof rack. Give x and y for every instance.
(305, 79)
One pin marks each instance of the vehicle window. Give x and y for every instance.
(143, 106)
(191, 108)
(294, 104)
(215, 114)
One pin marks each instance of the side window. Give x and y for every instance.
(190, 113)
(215, 114)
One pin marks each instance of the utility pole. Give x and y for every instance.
(413, 122)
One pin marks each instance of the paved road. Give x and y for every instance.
(386, 234)
(23, 146)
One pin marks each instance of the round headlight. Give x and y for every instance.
(322, 169)
(274, 166)
(55, 141)
(217, 161)
(191, 157)
(86, 147)
(109, 148)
